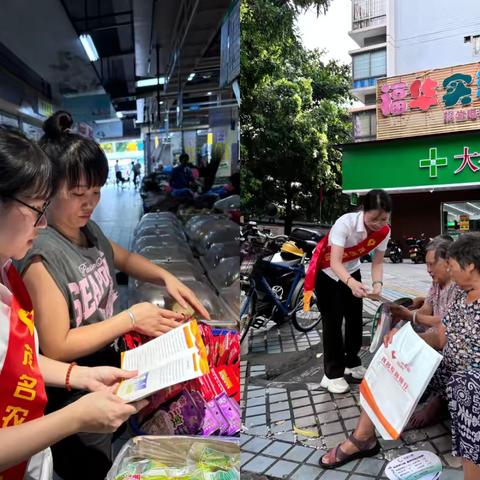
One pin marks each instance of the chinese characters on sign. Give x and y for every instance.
(434, 161)
(395, 373)
(429, 102)
(423, 95)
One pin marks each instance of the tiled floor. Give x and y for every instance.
(289, 421)
(118, 213)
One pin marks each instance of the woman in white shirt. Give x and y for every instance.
(334, 273)
(26, 183)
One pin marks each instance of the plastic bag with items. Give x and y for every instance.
(186, 458)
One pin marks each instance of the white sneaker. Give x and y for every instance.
(335, 385)
(356, 372)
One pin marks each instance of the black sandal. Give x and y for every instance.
(343, 458)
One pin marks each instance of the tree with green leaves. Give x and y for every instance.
(293, 113)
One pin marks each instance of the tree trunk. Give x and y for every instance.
(288, 208)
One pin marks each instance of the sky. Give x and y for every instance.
(330, 31)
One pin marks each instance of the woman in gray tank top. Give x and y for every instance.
(27, 180)
(71, 271)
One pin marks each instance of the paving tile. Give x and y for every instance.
(426, 446)
(281, 469)
(370, 466)
(331, 428)
(302, 411)
(244, 438)
(349, 412)
(281, 426)
(345, 402)
(306, 422)
(321, 397)
(443, 444)
(255, 421)
(258, 410)
(285, 436)
(256, 394)
(315, 457)
(261, 430)
(449, 474)
(275, 407)
(299, 394)
(298, 453)
(360, 477)
(254, 402)
(333, 440)
(273, 390)
(279, 397)
(413, 436)
(333, 475)
(451, 461)
(245, 457)
(436, 430)
(326, 417)
(325, 407)
(301, 402)
(282, 415)
(277, 449)
(256, 445)
(258, 464)
(305, 472)
(350, 424)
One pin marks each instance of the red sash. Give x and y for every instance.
(22, 396)
(321, 258)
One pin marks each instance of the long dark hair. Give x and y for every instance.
(377, 199)
(25, 170)
(74, 156)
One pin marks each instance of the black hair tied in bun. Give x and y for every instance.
(57, 124)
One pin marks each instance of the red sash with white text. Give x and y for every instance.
(22, 392)
(321, 258)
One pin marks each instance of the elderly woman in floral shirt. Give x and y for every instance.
(458, 336)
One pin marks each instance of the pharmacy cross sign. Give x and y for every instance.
(432, 163)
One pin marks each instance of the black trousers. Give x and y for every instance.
(336, 302)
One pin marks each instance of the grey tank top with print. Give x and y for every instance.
(85, 276)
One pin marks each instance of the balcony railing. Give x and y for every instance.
(368, 13)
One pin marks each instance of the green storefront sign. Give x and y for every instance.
(435, 162)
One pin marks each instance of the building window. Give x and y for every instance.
(460, 217)
(369, 65)
(365, 125)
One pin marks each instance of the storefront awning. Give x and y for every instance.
(436, 162)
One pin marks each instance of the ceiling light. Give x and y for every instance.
(119, 114)
(209, 93)
(191, 77)
(89, 47)
(160, 102)
(150, 82)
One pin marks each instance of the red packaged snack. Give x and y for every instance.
(225, 380)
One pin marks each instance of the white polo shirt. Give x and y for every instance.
(348, 231)
(40, 466)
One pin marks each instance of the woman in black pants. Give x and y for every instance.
(334, 272)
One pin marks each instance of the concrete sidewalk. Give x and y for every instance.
(289, 421)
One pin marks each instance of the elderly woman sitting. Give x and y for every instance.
(459, 337)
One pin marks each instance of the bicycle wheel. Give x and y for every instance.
(247, 311)
(306, 321)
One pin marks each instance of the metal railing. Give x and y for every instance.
(368, 13)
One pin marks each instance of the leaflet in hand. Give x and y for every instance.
(172, 358)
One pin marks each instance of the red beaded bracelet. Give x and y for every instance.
(67, 378)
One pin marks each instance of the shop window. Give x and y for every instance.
(460, 217)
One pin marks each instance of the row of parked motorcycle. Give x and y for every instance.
(416, 250)
(201, 250)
